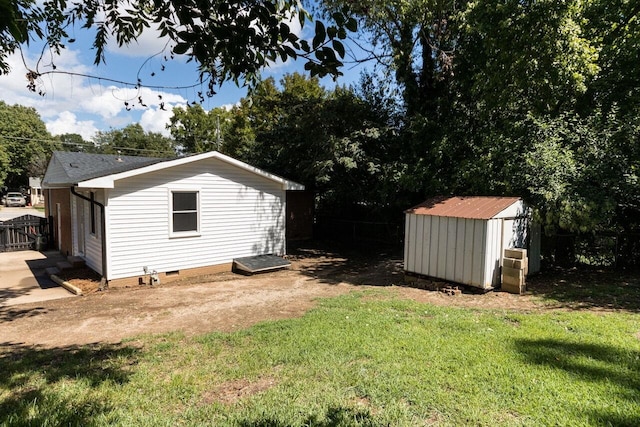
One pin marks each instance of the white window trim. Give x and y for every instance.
(179, 234)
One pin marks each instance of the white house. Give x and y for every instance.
(35, 191)
(125, 215)
(462, 239)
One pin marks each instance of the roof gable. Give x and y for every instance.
(474, 207)
(102, 170)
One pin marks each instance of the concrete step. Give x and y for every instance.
(64, 265)
(76, 261)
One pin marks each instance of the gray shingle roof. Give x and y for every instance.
(67, 168)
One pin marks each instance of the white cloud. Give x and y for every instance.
(229, 107)
(155, 119)
(67, 122)
(149, 43)
(113, 100)
(52, 90)
(74, 103)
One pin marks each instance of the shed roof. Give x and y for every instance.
(473, 207)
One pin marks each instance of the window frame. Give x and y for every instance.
(198, 211)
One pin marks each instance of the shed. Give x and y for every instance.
(462, 239)
(130, 217)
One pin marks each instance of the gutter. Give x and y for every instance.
(102, 229)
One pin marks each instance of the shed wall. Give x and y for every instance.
(241, 214)
(452, 249)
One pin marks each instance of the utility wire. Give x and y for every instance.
(82, 144)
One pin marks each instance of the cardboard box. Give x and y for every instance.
(514, 289)
(516, 253)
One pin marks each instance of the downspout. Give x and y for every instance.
(102, 228)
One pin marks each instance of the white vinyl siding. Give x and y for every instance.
(241, 214)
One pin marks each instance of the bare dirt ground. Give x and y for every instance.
(228, 301)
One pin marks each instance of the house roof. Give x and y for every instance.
(474, 207)
(71, 168)
(103, 170)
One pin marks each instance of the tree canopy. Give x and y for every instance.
(509, 97)
(25, 145)
(134, 140)
(229, 40)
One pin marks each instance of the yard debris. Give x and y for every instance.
(451, 291)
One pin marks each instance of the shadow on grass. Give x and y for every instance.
(334, 263)
(587, 289)
(334, 417)
(595, 363)
(39, 383)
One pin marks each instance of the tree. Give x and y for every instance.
(230, 40)
(134, 141)
(25, 145)
(334, 142)
(75, 142)
(415, 41)
(535, 115)
(195, 130)
(531, 98)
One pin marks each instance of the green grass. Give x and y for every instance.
(365, 359)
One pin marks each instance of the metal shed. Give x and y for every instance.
(462, 239)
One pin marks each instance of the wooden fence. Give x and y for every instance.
(23, 233)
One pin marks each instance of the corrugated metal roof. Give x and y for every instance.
(473, 207)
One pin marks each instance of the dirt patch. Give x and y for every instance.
(227, 301)
(230, 392)
(84, 278)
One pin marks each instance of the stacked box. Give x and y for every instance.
(514, 270)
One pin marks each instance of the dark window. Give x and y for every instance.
(185, 211)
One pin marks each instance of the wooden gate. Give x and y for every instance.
(23, 233)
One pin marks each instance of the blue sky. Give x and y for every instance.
(72, 103)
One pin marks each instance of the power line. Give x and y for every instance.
(84, 144)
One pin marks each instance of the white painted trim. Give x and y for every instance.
(107, 235)
(181, 234)
(109, 180)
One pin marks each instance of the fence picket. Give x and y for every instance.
(22, 233)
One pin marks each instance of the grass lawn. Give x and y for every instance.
(364, 359)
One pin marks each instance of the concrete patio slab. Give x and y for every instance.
(7, 213)
(23, 278)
